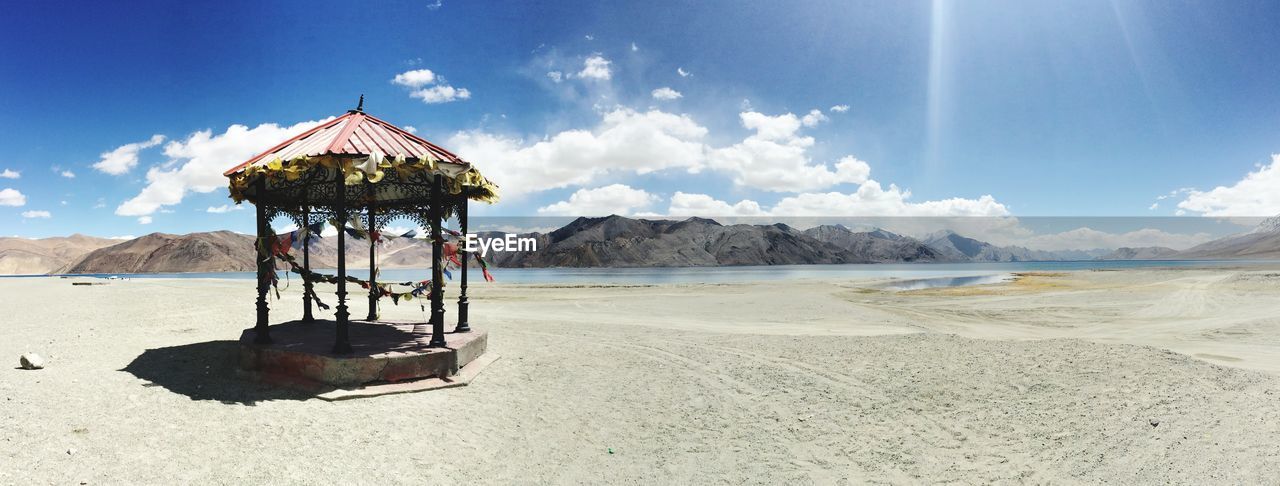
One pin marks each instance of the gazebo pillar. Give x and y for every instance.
(342, 342)
(307, 286)
(437, 264)
(463, 325)
(373, 262)
(263, 255)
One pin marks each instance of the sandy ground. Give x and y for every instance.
(1136, 376)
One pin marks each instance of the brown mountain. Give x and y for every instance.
(1263, 243)
(22, 256)
(216, 251)
(226, 251)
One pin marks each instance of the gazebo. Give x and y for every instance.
(360, 170)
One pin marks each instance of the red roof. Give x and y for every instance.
(354, 133)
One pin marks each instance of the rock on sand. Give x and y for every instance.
(31, 361)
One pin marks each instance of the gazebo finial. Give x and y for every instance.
(360, 105)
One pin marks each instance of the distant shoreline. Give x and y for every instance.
(730, 274)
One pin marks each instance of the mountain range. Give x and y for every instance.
(1141, 253)
(215, 251)
(616, 241)
(22, 256)
(612, 241)
(962, 249)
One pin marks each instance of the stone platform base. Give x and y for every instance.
(462, 378)
(382, 353)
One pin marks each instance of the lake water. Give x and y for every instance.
(932, 282)
(905, 271)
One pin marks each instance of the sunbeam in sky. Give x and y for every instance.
(937, 82)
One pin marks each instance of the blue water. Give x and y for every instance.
(932, 282)
(908, 271)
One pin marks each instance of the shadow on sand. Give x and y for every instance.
(205, 371)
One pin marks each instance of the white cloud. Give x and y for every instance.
(555, 76)
(125, 157)
(776, 158)
(1175, 193)
(589, 37)
(850, 169)
(410, 128)
(634, 47)
(144, 220)
(601, 201)
(1154, 206)
(416, 78)
(10, 174)
(1009, 230)
(891, 209)
(122, 237)
(839, 108)
(871, 199)
(36, 214)
(1257, 194)
(418, 81)
(1087, 238)
(684, 204)
(683, 73)
(781, 127)
(596, 67)
(814, 117)
(68, 174)
(12, 197)
(197, 163)
(435, 5)
(624, 141)
(441, 94)
(666, 94)
(225, 208)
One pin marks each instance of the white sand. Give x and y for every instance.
(1050, 379)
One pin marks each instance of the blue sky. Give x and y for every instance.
(992, 108)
